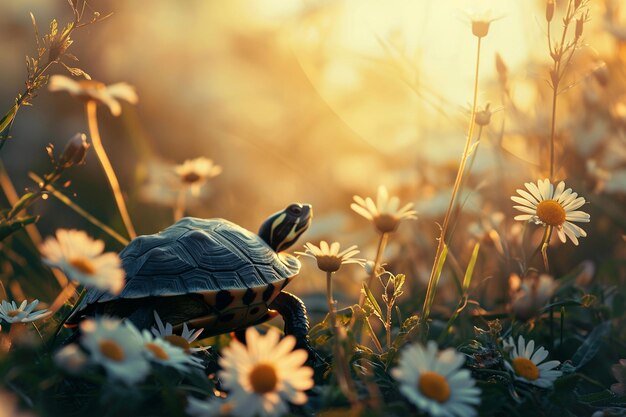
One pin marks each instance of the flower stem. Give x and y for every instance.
(382, 243)
(388, 326)
(179, 209)
(455, 190)
(92, 120)
(544, 247)
(329, 297)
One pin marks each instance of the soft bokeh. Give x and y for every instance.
(316, 101)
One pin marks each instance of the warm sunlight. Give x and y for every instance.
(316, 208)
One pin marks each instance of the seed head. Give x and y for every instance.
(579, 27)
(549, 10)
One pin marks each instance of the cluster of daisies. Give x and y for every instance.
(125, 353)
(263, 377)
(435, 382)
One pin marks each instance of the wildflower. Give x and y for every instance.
(526, 363)
(11, 313)
(82, 260)
(117, 347)
(89, 90)
(71, 359)
(481, 21)
(165, 353)
(531, 294)
(328, 258)
(542, 204)
(619, 372)
(75, 151)
(264, 375)
(166, 333)
(385, 213)
(434, 382)
(194, 173)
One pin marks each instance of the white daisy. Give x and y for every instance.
(434, 381)
(543, 204)
(166, 332)
(386, 213)
(265, 375)
(162, 352)
(194, 173)
(526, 363)
(93, 90)
(11, 313)
(82, 260)
(328, 257)
(117, 346)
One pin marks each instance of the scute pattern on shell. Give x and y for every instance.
(199, 256)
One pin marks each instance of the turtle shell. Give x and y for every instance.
(234, 270)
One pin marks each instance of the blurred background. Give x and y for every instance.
(319, 100)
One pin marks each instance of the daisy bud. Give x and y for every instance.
(550, 10)
(601, 74)
(75, 151)
(483, 117)
(579, 27)
(480, 28)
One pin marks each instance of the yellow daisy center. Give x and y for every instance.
(525, 368)
(386, 223)
(328, 263)
(177, 340)
(263, 378)
(158, 351)
(434, 386)
(91, 85)
(190, 177)
(551, 213)
(14, 313)
(83, 265)
(111, 350)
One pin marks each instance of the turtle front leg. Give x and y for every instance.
(293, 311)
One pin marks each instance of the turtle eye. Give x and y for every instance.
(295, 209)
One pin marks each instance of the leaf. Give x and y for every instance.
(6, 120)
(8, 228)
(469, 272)
(591, 345)
(432, 286)
(372, 300)
(20, 204)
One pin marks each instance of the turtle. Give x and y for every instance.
(211, 274)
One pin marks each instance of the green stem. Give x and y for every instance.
(382, 243)
(92, 120)
(329, 298)
(455, 190)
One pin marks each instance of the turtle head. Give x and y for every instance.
(282, 229)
